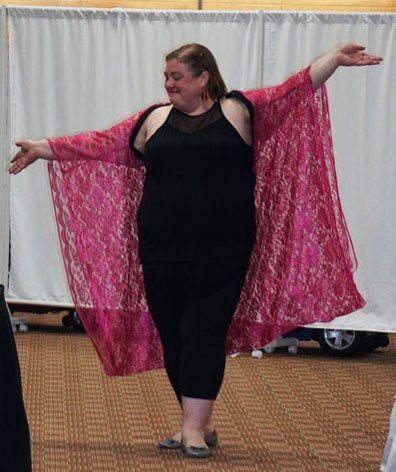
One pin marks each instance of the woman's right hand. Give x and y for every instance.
(29, 152)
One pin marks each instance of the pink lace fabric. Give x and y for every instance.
(302, 262)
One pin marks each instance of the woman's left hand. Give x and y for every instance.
(355, 55)
(348, 54)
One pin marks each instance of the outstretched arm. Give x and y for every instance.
(29, 152)
(110, 145)
(344, 55)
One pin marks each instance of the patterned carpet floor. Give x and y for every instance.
(294, 413)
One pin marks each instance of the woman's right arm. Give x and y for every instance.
(110, 145)
(29, 152)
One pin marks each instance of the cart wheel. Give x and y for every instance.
(67, 321)
(340, 342)
(269, 350)
(71, 320)
(292, 350)
(257, 353)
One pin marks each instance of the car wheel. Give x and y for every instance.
(340, 342)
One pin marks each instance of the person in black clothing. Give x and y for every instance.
(196, 222)
(14, 428)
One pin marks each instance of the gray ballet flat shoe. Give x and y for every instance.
(196, 452)
(169, 443)
(211, 440)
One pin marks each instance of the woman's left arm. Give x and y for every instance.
(344, 55)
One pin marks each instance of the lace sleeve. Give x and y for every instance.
(302, 263)
(110, 145)
(273, 104)
(95, 205)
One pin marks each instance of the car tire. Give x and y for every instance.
(340, 342)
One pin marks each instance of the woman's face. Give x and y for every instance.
(184, 90)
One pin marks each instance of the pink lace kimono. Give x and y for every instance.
(302, 262)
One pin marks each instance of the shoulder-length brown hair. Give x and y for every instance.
(199, 58)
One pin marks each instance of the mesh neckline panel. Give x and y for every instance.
(190, 124)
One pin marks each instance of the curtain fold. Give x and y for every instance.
(73, 70)
(4, 151)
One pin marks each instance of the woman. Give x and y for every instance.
(224, 220)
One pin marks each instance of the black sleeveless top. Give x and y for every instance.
(198, 198)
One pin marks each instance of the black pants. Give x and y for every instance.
(14, 430)
(192, 306)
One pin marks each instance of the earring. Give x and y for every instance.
(204, 95)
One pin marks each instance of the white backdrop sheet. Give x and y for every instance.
(79, 69)
(4, 151)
